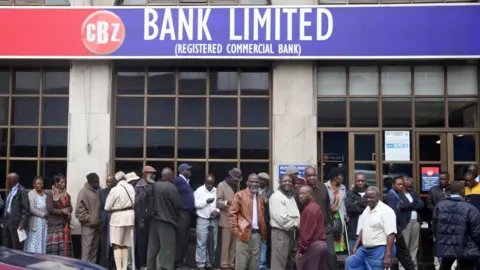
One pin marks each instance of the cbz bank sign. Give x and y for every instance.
(309, 32)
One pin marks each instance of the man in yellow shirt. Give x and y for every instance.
(472, 190)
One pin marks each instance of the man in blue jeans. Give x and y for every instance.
(375, 244)
(266, 192)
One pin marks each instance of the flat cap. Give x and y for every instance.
(291, 170)
(264, 175)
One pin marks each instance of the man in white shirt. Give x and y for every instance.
(377, 235)
(207, 219)
(285, 221)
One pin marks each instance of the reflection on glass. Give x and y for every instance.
(464, 147)
(462, 112)
(255, 112)
(391, 170)
(130, 111)
(27, 82)
(191, 143)
(4, 81)
(129, 143)
(223, 144)
(335, 153)
(55, 111)
(3, 142)
(254, 82)
(462, 80)
(396, 81)
(56, 82)
(429, 147)
(3, 171)
(254, 144)
(396, 112)
(160, 143)
(459, 171)
(223, 112)
(430, 112)
(161, 82)
(223, 82)
(331, 112)
(363, 81)
(25, 111)
(54, 143)
(161, 112)
(364, 112)
(220, 169)
(192, 112)
(365, 147)
(24, 142)
(131, 82)
(370, 171)
(429, 80)
(192, 83)
(4, 108)
(332, 81)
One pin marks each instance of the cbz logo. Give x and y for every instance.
(103, 32)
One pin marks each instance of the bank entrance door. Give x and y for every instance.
(440, 151)
(364, 157)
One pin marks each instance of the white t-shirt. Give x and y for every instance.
(377, 224)
(410, 199)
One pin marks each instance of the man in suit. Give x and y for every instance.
(15, 213)
(182, 182)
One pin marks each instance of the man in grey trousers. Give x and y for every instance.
(166, 203)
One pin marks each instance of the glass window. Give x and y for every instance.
(254, 144)
(363, 81)
(223, 112)
(365, 147)
(131, 83)
(160, 112)
(24, 142)
(4, 82)
(55, 111)
(364, 112)
(255, 112)
(25, 111)
(392, 170)
(129, 166)
(3, 171)
(252, 167)
(27, 169)
(429, 147)
(396, 112)
(27, 82)
(220, 169)
(331, 112)
(332, 81)
(191, 143)
(129, 143)
(396, 81)
(4, 111)
(462, 80)
(464, 147)
(192, 83)
(192, 112)
(223, 144)
(50, 168)
(56, 82)
(429, 80)
(160, 143)
(223, 82)
(3, 142)
(161, 82)
(130, 111)
(54, 143)
(254, 82)
(462, 112)
(429, 112)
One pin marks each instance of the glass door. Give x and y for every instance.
(431, 159)
(462, 152)
(364, 157)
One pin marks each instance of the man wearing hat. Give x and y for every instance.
(87, 211)
(265, 191)
(182, 182)
(143, 213)
(225, 195)
(297, 181)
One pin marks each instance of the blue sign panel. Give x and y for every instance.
(315, 32)
(282, 169)
(430, 177)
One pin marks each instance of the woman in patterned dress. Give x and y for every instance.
(59, 240)
(37, 229)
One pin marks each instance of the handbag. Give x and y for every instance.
(337, 227)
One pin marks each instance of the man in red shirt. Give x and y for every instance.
(312, 245)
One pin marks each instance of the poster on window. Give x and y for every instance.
(397, 146)
(430, 177)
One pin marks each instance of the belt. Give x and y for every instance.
(255, 231)
(374, 247)
(120, 210)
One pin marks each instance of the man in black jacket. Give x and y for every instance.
(166, 205)
(456, 226)
(399, 203)
(355, 204)
(16, 212)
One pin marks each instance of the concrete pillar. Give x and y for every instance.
(89, 123)
(294, 119)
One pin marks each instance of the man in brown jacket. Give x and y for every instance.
(246, 216)
(225, 194)
(87, 211)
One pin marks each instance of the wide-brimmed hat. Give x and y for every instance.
(132, 176)
(236, 174)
